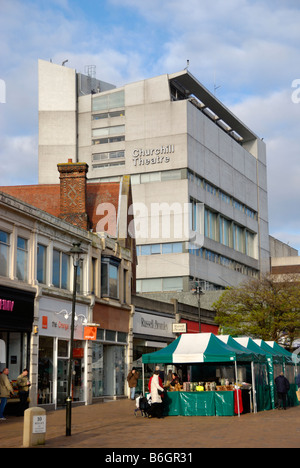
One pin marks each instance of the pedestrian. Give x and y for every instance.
(132, 379)
(23, 386)
(157, 368)
(282, 387)
(156, 392)
(5, 391)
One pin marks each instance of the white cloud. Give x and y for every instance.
(19, 162)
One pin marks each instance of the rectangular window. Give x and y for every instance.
(41, 263)
(22, 259)
(108, 131)
(60, 278)
(4, 253)
(210, 227)
(110, 278)
(108, 101)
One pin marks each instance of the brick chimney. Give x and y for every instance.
(73, 193)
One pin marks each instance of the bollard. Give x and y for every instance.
(34, 430)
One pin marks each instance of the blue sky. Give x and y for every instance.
(250, 49)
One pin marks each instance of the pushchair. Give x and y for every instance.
(143, 405)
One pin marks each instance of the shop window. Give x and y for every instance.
(22, 259)
(41, 263)
(4, 253)
(60, 270)
(110, 277)
(45, 375)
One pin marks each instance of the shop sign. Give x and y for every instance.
(179, 327)
(149, 324)
(55, 319)
(7, 305)
(90, 333)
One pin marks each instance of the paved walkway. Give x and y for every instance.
(113, 425)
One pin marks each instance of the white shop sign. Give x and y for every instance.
(154, 325)
(55, 318)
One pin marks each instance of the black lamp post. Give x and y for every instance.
(76, 253)
(199, 292)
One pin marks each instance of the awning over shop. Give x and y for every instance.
(197, 348)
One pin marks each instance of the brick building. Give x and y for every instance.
(38, 225)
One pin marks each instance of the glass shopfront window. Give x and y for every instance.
(109, 363)
(45, 376)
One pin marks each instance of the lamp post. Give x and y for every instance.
(199, 292)
(76, 253)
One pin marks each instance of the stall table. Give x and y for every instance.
(199, 403)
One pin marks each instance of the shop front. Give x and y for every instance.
(109, 351)
(16, 320)
(53, 358)
(151, 332)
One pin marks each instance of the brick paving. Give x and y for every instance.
(113, 425)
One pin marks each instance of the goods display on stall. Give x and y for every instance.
(219, 375)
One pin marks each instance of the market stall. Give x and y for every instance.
(205, 361)
(261, 372)
(290, 370)
(275, 366)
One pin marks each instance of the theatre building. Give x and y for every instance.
(198, 173)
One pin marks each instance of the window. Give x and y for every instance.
(159, 284)
(107, 115)
(108, 101)
(22, 259)
(41, 263)
(108, 155)
(4, 253)
(60, 270)
(110, 277)
(108, 131)
(211, 219)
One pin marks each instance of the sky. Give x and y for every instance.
(246, 51)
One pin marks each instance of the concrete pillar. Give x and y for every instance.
(34, 430)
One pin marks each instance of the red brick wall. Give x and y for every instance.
(73, 193)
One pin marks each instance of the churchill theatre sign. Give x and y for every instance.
(160, 155)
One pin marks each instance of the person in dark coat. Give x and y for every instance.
(282, 387)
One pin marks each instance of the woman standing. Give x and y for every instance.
(156, 389)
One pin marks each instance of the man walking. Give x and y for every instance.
(5, 391)
(282, 386)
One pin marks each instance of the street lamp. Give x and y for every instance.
(76, 253)
(199, 292)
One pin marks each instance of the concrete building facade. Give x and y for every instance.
(198, 174)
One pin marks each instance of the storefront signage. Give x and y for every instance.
(7, 305)
(179, 327)
(151, 156)
(154, 325)
(90, 333)
(56, 324)
(16, 309)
